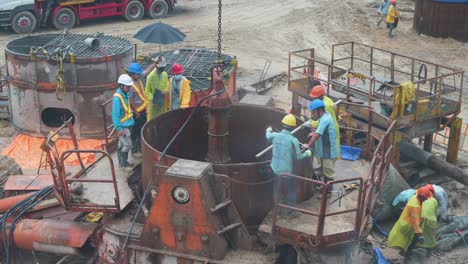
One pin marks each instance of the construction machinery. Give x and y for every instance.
(25, 16)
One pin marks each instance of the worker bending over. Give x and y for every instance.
(318, 92)
(429, 221)
(122, 118)
(179, 89)
(157, 89)
(286, 149)
(407, 230)
(324, 140)
(139, 102)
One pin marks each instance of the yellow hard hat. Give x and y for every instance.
(289, 120)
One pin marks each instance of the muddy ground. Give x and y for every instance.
(260, 30)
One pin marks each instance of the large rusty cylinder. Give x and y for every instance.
(246, 125)
(39, 105)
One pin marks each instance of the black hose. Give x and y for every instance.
(18, 211)
(150, 183)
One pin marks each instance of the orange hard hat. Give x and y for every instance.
(392, 2)
(424, 192)
(317, 91)
(177, 69)
(430, 188)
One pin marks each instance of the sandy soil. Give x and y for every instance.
(260, 30)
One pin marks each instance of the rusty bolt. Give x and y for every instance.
(180, 236)
(204, 239)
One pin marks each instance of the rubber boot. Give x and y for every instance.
(119, 157)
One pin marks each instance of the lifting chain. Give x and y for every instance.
(220, 6)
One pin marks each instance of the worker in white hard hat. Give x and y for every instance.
(122, 118)
(157, 89)
(286, 149)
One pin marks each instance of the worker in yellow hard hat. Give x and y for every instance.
(286, 149)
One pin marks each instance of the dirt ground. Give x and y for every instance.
(260, 30)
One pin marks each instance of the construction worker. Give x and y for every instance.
(318, 92)
(122, 118)
(393, 16)
(324, 139)
(407, 230)
(179, 89)
(383, 11)
(286, 149)
(139, 102)
(157, 88)
(429, 221)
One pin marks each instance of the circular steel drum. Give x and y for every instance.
(89, 76)
(247, 126)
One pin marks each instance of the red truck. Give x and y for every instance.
(24, 16)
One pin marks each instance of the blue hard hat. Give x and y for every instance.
(135, 68)
(317, 103)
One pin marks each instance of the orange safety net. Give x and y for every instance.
(26, 150)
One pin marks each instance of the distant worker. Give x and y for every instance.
(429, 222)
(318, 92)
(439, 194)
(383, 11)
(286, 149)
(139, 102)
(407, 230)
(179, 89)
(157, 89)
(393, 17)
(324, 139)
(122, 118)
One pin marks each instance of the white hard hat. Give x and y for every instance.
(125, 80)
(162, 63)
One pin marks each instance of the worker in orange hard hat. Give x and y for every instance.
(407, 230)
(179, 89)
(393, 16)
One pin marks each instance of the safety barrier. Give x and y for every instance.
(442, 138)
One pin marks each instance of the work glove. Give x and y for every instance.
(419, 238)
(308, 153)
(269, 129)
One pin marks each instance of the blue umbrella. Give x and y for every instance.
(159, 33)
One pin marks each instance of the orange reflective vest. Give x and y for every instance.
(142, 96)
(128, 111)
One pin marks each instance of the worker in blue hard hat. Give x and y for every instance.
(324, 139)
(286, 149)
(122, 118)
(139, 101)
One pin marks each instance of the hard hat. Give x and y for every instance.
(392, 2)
(289, 120)
(317, 103)
(125, 80)
(424, 192)
(430, 188)
(177, 69)
(162, 62)
(317, 91)
(135, 68)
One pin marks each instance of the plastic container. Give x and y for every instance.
(349, 153)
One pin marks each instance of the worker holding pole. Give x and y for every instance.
(139, 102)
(318, 92)
(157, 88)
(324, 140)
(286, 149)
(407, 230)
(122, 118)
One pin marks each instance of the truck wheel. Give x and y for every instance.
(24, 22)
(65, 18)
(134, 11)
(158, 9)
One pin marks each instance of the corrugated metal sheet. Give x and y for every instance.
(442, 18)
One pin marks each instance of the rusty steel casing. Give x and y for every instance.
(89, 79)
(246, 137)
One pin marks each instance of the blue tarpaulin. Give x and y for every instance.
(349, 153)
